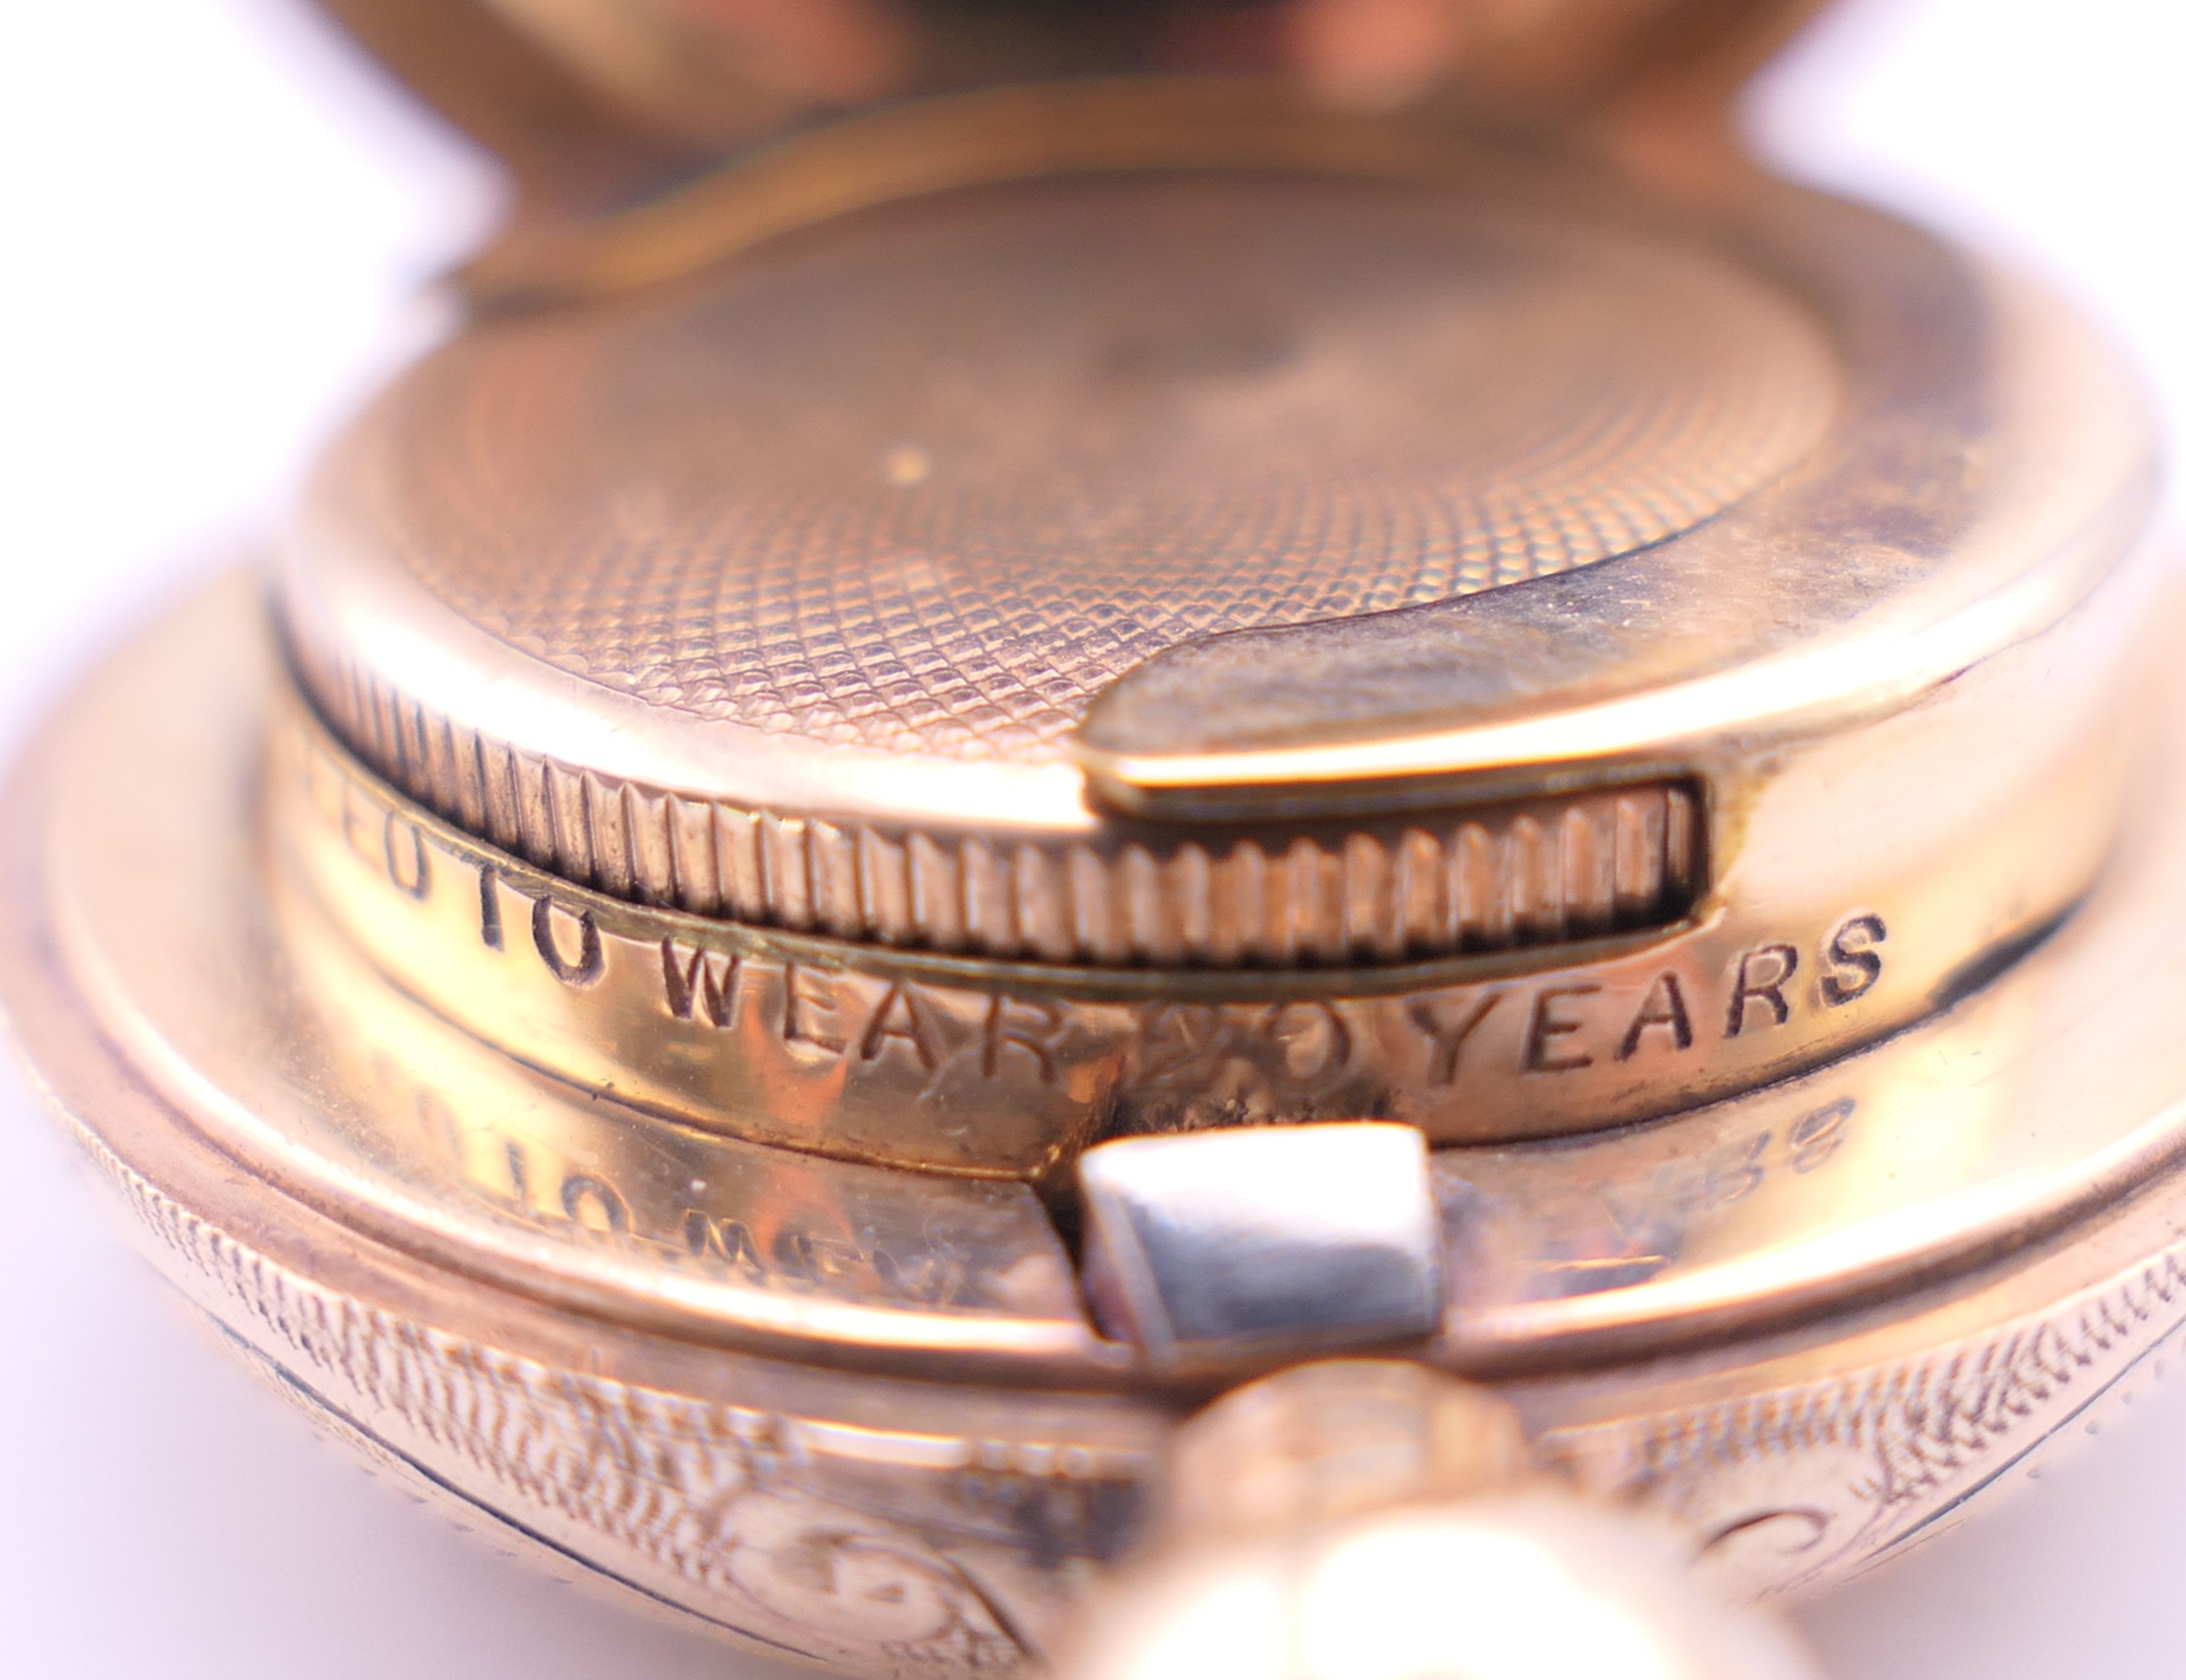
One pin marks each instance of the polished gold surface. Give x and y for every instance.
(1022, 755)
(2025, 1102)
(838, 1046)
(1959, 1326)
(961, 1519)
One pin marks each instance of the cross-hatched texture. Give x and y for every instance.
(926, 479)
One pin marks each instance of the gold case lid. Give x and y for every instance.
(1155, 522)
(590, 100)
(1076, 519)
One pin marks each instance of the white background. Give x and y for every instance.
(214, 224)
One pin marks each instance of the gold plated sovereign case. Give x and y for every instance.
(1051, 706)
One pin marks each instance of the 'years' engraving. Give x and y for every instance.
(1552, 1022)
(1852, 963)
(1566, 1025)
(1763, 974)
(1447, 1028)
(1662, 1010)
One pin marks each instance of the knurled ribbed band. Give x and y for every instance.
(1493, 877)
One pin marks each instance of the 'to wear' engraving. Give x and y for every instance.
(408, 868)
(590, 962)
(699, 980)
(905, 1017)
(809, 1014)
(489, 931)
